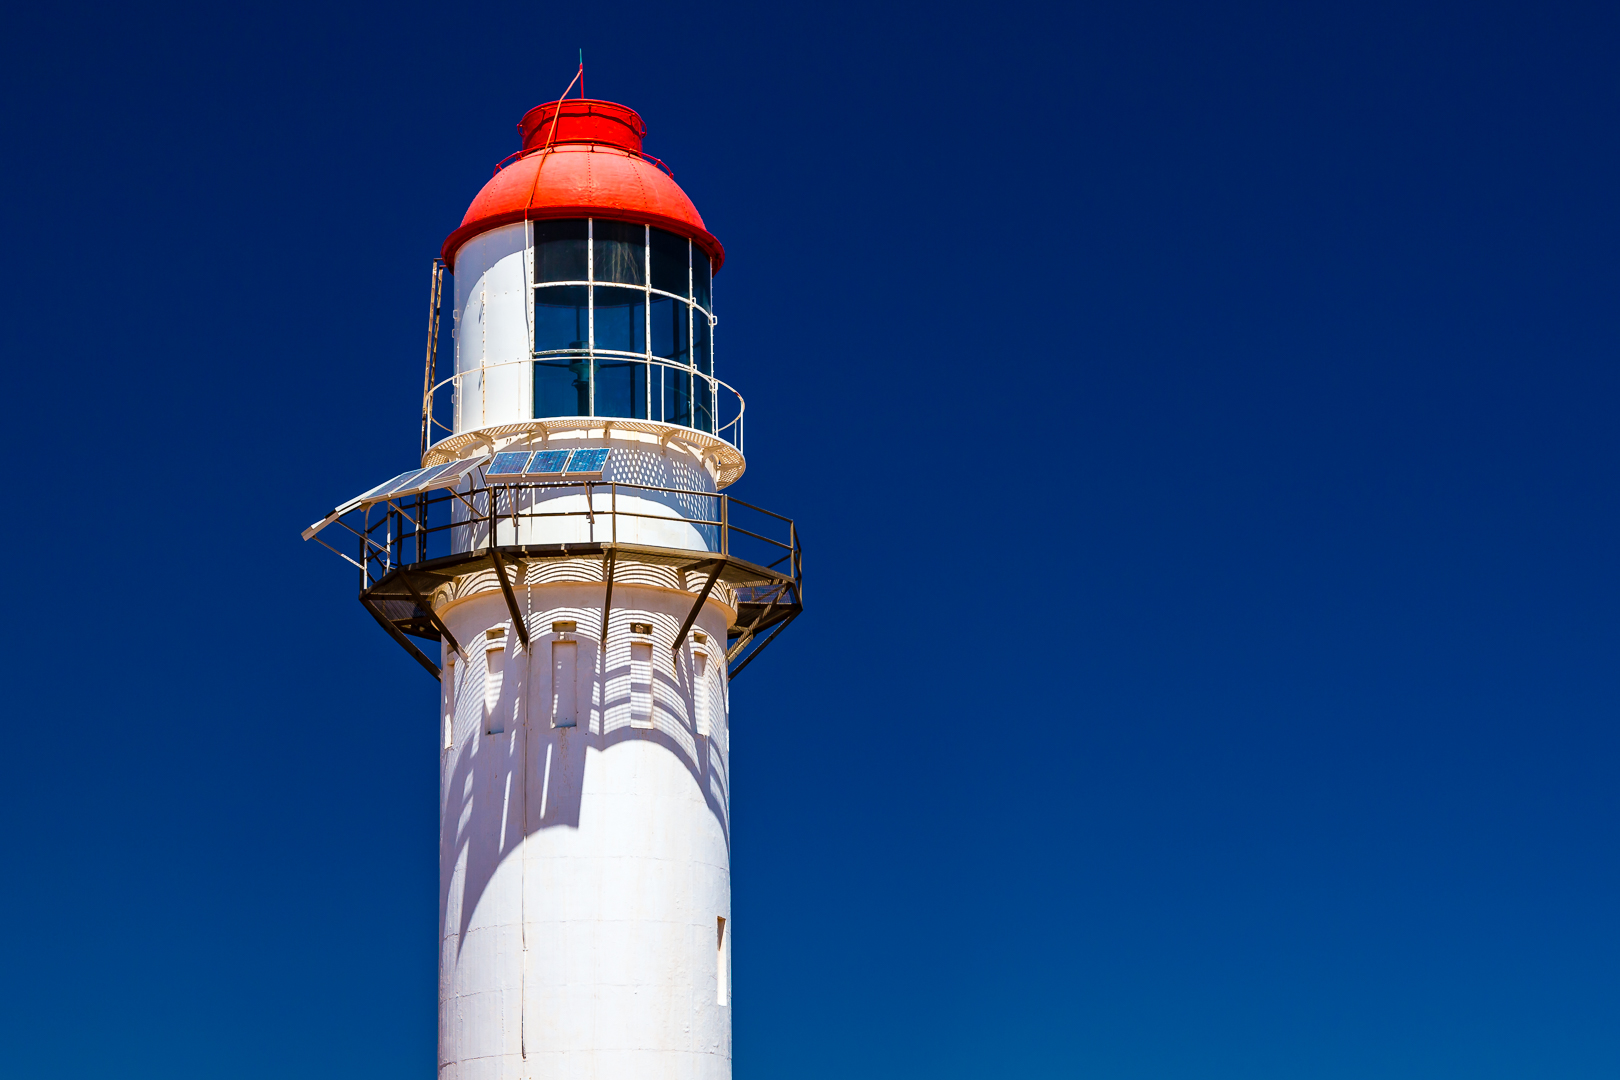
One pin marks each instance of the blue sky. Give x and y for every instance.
(1200, 424)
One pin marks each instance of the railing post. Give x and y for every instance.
(725, 525)
(613, 508)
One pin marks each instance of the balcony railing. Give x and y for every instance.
(457, 403)
(407, 546)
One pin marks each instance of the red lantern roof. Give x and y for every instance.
(582, 158)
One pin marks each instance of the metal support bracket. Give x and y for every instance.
(691, 616)
(394, 632)
(511, 601)
(433, 616)
(749, 659)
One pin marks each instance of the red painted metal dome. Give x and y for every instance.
(582, 158)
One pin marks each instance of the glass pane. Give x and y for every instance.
(620, 252)
(621, 320)
(562, 387)
(559, 250)
(561, 317)
(703, 360)
(669, 262)
(701, 278)
(621, 387)
(669, 329)
(702, 352)
(677, 396)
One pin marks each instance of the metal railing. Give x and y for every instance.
(435, 524)
(465, 388)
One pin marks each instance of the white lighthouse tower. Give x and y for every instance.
(566, 542)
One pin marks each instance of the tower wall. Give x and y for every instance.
(644, 517)
(584, 869)
(492, 333)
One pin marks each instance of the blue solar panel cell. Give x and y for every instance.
(548, 463)
(587, 461)
(508, 463)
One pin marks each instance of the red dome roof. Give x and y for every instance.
(586, 162)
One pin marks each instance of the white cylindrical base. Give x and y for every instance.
(585, 869)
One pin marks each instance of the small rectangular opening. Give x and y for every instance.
(564, 684)
(721, 962)
(641, 698)
(448, 684)
(495, 672)
(700, 691)
(564, 626)
(641, 628)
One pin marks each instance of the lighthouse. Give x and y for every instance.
(565, 558)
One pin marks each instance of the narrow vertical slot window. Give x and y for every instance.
(722, 989)
(564, 684)
(700, 692)
(448, 683)
(495, 672)
(641, 698)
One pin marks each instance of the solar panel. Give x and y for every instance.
(452, 473)
(446, 475)
(428, 480)
(587, 462)
(507, 465)
(548, 463)
(377, 492)
(402, 483)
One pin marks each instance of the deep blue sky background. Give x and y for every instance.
(1202, 424)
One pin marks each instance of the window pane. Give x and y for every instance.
(669, 262)
(669, 329)
(621, 320)
(676, 398)
(562, 387)
(703, 359)
(702, 353)
(621, 387)
(559, 250)
(701, 278)
(561, 317)
(620, 252)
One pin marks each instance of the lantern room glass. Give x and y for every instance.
(623, 323)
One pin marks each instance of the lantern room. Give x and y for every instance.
(579, 286)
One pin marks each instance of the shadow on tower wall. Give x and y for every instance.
(535, 773)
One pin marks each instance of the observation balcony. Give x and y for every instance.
(425, 531)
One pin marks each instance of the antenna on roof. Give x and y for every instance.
(579, 77)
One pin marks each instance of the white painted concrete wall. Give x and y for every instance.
(644, 516)
(583, 869)
(492, 328)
